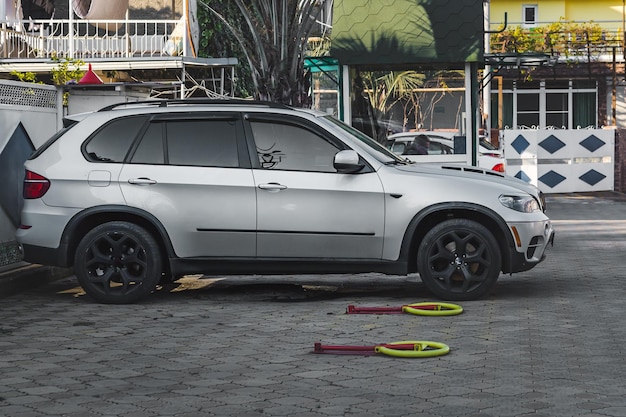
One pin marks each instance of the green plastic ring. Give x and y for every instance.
(443, 309)
(423, 349)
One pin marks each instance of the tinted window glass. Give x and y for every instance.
(488, 145)
(288, 147)
(202, 143)
(150, 149)
(398, 147)
(112, 142)
(438, 149)
(585, 109)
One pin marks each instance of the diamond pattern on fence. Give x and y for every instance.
(592, 177)
(592, 143)
(552, 144)
(562, 160)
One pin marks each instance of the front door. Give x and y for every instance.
(305, 208)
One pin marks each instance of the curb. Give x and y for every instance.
(29, 276)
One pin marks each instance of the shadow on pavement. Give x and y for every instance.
(260, 288)
(281, 289)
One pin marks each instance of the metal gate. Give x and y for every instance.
(562, 161)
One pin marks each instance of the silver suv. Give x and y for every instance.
(140, 193)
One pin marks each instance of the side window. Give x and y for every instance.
(210, 143)
(398, 147)
(436, 148)
(292, 148)
(150, 149)
(112, 142)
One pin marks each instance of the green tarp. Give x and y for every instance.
(405, 32)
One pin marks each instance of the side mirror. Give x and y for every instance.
(347, 162)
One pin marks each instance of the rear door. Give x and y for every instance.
(192, 172)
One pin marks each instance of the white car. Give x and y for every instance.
(141, 193)
(442, 143)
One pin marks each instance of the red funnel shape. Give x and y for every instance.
(90, 78)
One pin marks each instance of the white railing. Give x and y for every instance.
(80, 39)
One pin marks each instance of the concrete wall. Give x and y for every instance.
(28, 117)
(95, 97)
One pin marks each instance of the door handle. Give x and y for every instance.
(141, 181)
(272, 186)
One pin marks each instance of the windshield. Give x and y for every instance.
(378, 151)
(488, 145)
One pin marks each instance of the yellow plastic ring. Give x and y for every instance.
(442, 309)
(422, 349)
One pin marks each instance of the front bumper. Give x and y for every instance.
(531, 240)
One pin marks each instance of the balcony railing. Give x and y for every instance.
(81, 39)
(592, 43)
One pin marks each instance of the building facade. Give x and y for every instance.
(557, 81)
(558, 64)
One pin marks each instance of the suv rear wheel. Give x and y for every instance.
(459, 259)
(118, 262)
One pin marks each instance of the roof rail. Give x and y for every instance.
(197, 101)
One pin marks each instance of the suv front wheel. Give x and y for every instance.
(118, 262)
(459, 259)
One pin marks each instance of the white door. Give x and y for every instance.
(305, 209)
(187, 173)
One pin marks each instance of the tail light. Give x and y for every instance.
(498, 167)
(35, 185)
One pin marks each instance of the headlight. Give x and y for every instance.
(525, 204)
(542, 200)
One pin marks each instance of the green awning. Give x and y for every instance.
(321, 63)
(405, 32)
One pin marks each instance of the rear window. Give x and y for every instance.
(210, 143)
(189, 142)
(488, 145)
(112, 141)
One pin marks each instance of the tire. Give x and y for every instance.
(459, 260)
(118, 263)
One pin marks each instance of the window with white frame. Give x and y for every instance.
(529, 14)
(564, 104)
(527, 108)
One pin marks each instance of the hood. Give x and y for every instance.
(475, 174)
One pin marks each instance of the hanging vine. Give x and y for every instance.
(562, 38)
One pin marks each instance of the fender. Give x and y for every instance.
(444, 209)
(90, 217)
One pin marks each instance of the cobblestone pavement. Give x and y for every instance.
(547, 342)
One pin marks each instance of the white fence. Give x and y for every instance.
(562, 161)
(91, 38)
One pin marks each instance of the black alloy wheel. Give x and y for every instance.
(459, 259)
(118, 263)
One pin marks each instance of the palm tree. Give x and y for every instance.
(417, 92)
(273, 39)
(385, 89)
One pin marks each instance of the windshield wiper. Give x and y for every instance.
(399, 162)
